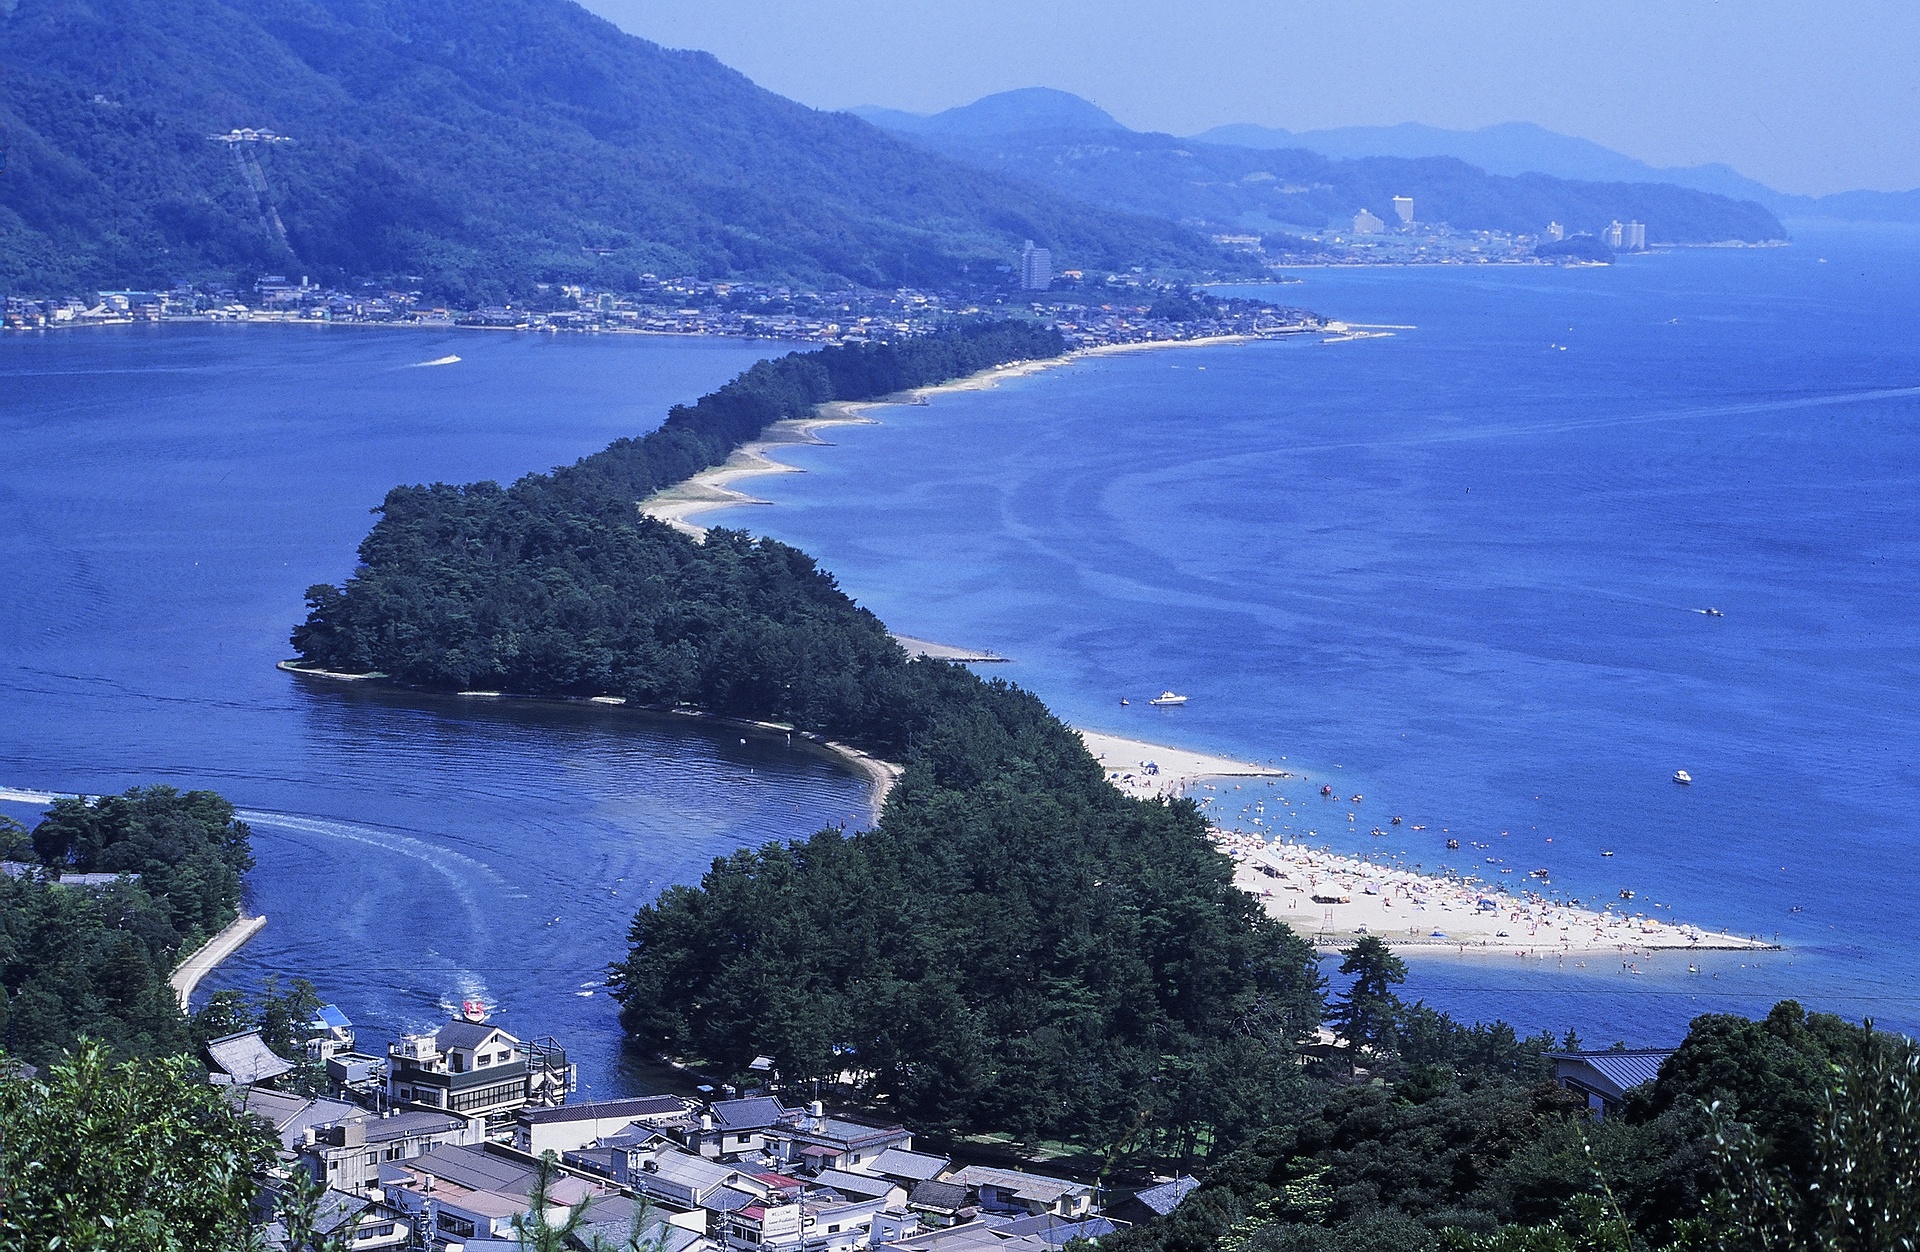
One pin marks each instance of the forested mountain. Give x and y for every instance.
(480, 145)
(1263, 188)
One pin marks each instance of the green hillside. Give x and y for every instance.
(482, 146)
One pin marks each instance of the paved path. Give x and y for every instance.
(211, 953)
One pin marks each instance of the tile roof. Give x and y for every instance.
(1022, 1185)
(1166, 1197)
(245, 1058)
(753, 1113)
(901, 1163)
(462, 1034)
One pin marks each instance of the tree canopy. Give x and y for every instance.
(94, 960)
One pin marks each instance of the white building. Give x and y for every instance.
(1036, 268)
(1637, 236)
(1613, 235)
(1403, 209)
(1556, 232)
(1365, 223)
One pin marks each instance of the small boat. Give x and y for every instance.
(1356, 799)
(1396, 821)
(1606, 854)
(473, 1009)
(1715, 613)
(1453, 843)
(1326, 790)
(1682, 777)
(1166, 698)
(1626, 893)
(1124, 702)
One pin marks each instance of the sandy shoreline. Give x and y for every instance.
(713, 489)
(1332, 899)
(1145, 770)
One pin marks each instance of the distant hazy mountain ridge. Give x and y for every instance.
(478, 145)
(1515, 148)
(1064, 143)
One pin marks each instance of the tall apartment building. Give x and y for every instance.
(1036, 268)
(1403, 209)
(1365, 223)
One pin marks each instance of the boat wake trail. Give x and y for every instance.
(439, 360)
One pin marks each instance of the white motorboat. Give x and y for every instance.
(1166, 698)
(1682, 777)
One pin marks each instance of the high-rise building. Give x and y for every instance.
(1614, 236)
(1403, 208)
(1637, 236)
(1556, 232)
(1036, 268)
(1365, 223)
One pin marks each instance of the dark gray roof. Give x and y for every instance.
(1166, 1197)
(855, 1186)
(728, 1200)
(407, 1124)
(463, 1035)
(902, 1163)
(753, 1113)
(1621, 1070)
(472, 1167)
(639, 1106)
(945, 1196)
(1053, 1231)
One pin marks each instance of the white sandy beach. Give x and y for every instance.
(1333, 899)
(1144, 769)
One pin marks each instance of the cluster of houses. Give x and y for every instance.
(673, 306)
(441, 1143)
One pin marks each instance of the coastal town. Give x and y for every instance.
(461, 1138)
(440, 1143)
(1118, 309)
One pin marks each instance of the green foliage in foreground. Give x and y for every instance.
(1796, 1133)
(95, 960)
(143, 1156)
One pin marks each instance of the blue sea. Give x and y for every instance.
(171, 492)
(1458, 568)
(1462, 569)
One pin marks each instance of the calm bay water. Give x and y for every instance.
(169, 493)
(1461, 570)
(1457, 570)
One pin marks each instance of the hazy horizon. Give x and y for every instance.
(1806, 99)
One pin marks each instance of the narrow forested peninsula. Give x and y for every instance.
(1016, 945)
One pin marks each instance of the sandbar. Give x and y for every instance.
(713, 489)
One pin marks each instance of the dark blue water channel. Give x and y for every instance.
(1460, 570)
(167, 495)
